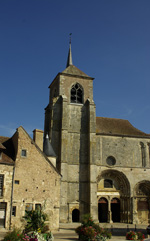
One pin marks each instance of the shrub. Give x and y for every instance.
(131, 235)
(35, 220)
(48, 236)
(35, 236)
(101, 237)
(91, 231)
(87, 220)
(86, 232)
(135, 236)
(102, 231)
(106, 233)
(141, 236)
(14, 235)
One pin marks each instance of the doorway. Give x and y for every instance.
(115, 209)
(75, 216)
(2, 214)
(103, 210)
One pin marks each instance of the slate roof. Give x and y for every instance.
(112, 126)
(47, 147)
(7, 149)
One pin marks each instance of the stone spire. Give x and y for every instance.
(69, 60)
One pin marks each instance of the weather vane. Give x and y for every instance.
(70, 38)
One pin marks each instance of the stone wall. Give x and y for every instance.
(126, 150)
(36, 181)
(7, 171)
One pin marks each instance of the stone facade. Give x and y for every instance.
(5, 198)
(31, 181)
(92, 164)
(104, 162)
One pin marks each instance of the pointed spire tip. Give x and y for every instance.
(69, 60)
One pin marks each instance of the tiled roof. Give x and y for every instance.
(1, 146)
(3, 139)
(112, 126)
(7, 148)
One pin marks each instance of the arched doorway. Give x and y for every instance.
(103, 210)
(115, 209)
(110, 184)
(142, 197)
(75, 215)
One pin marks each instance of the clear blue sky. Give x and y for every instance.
(110, 42)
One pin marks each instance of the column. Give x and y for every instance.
(109, 211)
(134, 210)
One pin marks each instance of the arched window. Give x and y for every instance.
(108, 183)
(143, 154)
(77, 94)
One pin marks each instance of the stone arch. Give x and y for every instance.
(142, 201)
(118, 187)
(119, 178)
(142, 188)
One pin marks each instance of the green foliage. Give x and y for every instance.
(35, 220)
(48, 236)
(100, 237)
(87, 220)
(91, 231)
(87, 233)
(135, 236)
(141, 236)
(14, 235)
(102, 231)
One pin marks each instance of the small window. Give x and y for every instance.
(23, 153)
(1, 185)
(77, 94)
(108, 183)
(17, 182)
(14, 211)
(111, 161)
(29, 207)
(0, 155)
(37, 206)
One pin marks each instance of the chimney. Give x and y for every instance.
(38, 138)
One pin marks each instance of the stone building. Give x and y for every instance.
(28, 179)
(104, 162)
(101, 165)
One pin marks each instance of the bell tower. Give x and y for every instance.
(70, 122)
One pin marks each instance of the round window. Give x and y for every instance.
(111, 161)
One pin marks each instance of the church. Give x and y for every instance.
(86, 164)
(104, 162)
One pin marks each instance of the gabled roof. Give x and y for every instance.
(7, 149)
(112, 126)
(37, 147)
(1, 146)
